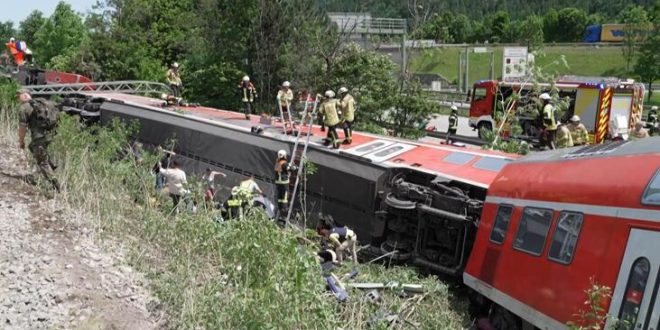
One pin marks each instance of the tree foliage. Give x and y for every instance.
(30, 25)
(6, 31)
(59, 35)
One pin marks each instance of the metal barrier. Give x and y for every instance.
(126, 87)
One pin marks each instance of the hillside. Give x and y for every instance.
(583, 61)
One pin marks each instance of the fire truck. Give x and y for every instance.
(608, 107)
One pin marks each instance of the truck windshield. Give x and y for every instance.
(479, 93)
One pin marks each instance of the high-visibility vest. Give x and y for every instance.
(285, 97)
(453, 121)
(329, 111)
(549, 117)
(347, 105)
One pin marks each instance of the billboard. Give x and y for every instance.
(514, 64)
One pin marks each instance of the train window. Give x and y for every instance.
(565, 237)
(388, 151)
(491, 163)
(532, 230)
(501, 224)
(652, 192)
(458, 158)
(632, 299)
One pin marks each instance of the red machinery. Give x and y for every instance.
(553, 222)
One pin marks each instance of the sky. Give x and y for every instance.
(20, 9)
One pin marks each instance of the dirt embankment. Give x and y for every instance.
(54, 273)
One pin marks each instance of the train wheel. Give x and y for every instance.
(404, 253)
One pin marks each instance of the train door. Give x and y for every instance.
(635, 303)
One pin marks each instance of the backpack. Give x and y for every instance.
(44, 113)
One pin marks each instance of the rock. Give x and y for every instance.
(68, 266)
(47, 260)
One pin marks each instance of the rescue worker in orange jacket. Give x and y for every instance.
(248, 94)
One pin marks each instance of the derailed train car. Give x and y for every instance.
(422, 200)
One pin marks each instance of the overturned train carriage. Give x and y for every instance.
(400, 204)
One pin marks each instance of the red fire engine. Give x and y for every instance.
(553, 222)
(598, 102)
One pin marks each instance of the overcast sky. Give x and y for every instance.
(16, 11)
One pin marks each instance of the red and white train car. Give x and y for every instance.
(554, 222)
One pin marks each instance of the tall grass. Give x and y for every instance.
(247, 274)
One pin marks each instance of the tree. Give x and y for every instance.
(411, 111)
(530, 32)
(60, 34)
(500, 26)
(461, 29)
(570, 26)
(648, 59)
(637, 21)
(6, 31)
(550, 23)
(30, 25)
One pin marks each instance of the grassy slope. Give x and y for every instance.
(584, 61)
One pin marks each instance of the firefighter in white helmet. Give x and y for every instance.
(652, 120)
(233, 207)
(453, 123)
(549, 122)
(579, 133)
(248, 94)
(282, 171)
(328, 110)
(347, 106)
(174, 79)
(285, 99)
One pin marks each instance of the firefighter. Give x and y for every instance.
(652, 120)
(330, 118)
(174, 79)
(285, 99)
(248, 94)
(282, 169)
(233, 207)
(453, 123)
(579, 133)
(564, 138)
(341, 239)
(549, 123)
(639, 132)
(347, 106)
(248, 188)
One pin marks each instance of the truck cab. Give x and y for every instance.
(482, 104)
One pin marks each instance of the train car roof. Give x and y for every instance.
(612, 177)
(473, 166)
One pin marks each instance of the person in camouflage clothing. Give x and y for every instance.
(40, 117)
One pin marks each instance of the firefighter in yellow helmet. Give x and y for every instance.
(330, 118)
(347, 106)
(564, 138)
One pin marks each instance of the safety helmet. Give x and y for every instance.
(175, 65)
(286, 84)
(246, 78)
(343, 90)
(575, 118)
(12, 39)
(281, 153)
(329, 94)
(163, 96)
(654, 108)
(235, 190)
(545, 96)
(454, 108)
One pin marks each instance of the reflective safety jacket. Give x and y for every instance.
(285, 97)
(564, 138)
(248, 91)
(453, 121)
(281, 171)
(173, 77)
(549, 122)
(579, 134)
(329, 112)
(347, 105)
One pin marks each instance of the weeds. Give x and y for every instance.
(237, 275)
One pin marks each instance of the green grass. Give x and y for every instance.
(583, 61)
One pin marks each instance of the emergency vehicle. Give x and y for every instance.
(553, 223)
(608, 107)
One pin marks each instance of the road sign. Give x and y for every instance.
(514, 63)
